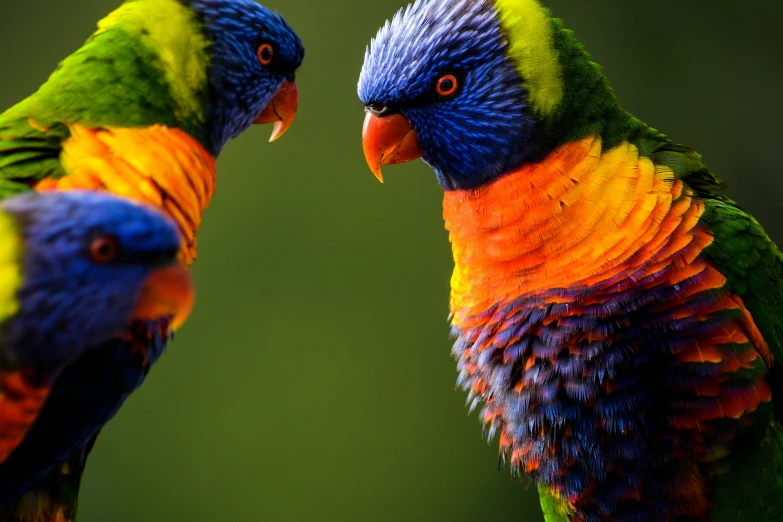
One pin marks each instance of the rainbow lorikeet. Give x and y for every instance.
(141, 110)
(76, 268)
(620, 320)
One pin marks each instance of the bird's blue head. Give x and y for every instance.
(464, 84)
(254, 55)
(89, 264)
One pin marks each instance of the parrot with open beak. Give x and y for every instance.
(141, 110)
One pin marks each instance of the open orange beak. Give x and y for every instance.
(168, 291)
(388, 140)
(281, 109)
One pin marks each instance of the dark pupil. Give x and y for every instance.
(266, 53)
(104, 249)
(446, 85)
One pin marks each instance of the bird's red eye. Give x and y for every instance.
(265, 53)
(103, 249)
(447, 85)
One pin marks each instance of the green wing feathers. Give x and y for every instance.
(751, 490)
(555, 509)
(28, 152)
(685, 163)
(121, 54)
(32, 132)
(753, 265)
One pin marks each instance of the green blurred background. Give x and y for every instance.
(313, 381)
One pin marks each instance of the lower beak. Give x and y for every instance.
(168, 291)
(388, 140)
(281, 109)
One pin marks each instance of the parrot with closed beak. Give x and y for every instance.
(618, 320)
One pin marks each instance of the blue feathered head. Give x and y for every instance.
(444, 67)
(254, 56)
(84, 265)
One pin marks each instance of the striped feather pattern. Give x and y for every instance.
(610, 357)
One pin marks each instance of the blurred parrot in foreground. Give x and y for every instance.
(141, 110)
(75, 268)
(619, 321)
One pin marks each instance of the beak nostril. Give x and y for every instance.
(380, 109)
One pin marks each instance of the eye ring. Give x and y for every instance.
(266, 53)
(104, 249)
(447, 85)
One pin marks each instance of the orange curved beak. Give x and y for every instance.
(168, 291)
(281, 109)
(388, 140)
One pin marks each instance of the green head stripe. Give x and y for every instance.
(529, 30)
(171, 31)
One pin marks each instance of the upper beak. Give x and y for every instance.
(388, 140)
(168, 291)
(281, 109)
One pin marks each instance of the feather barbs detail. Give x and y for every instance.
(158, 165)
(573, 278)
(580, 218)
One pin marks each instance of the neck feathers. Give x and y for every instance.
(145, 65)
(531, 47)
(579, 219)
(568, 94)
(573, 278)
(170, 30)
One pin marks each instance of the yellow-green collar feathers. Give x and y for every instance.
(171, 31)
(11, 250)
(529, 30)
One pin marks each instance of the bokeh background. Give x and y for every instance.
(313, 381)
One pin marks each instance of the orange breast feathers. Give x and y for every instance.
(159, 165)
(583, 219)
(580, 218)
